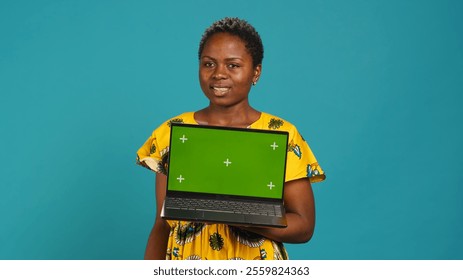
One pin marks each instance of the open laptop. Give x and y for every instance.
(226, 175)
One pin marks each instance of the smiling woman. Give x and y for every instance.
(226, 73)
(230, 63)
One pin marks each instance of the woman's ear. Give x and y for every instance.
(257, 72)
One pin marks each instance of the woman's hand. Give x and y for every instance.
(300, 214)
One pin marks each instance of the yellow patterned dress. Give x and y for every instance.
(199, 241)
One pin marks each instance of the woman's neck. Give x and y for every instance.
(222, 116)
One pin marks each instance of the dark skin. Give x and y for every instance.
(226, 74)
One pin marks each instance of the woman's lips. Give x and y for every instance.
(220, 91)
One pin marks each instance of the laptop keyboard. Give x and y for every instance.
(225, 206)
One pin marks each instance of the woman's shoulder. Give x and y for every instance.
(272, 122)
(186, 117)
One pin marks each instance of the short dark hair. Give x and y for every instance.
(240, 28)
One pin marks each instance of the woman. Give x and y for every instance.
(230, 63)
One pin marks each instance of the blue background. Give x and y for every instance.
(374, 86)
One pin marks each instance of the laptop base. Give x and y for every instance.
(223, 218)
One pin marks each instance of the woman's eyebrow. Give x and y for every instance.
(233, 58)
(207, 57)
(226, 59)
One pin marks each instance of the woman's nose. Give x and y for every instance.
(220, 72)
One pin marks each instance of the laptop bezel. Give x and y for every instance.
(225, 196)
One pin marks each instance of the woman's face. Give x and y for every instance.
(226, 72)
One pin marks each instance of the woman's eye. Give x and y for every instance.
(208, 64)
(233, 66)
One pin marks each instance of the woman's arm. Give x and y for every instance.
(159, 235)
(300, 214)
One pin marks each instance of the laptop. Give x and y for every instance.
(226, 175)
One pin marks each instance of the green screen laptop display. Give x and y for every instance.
(241, 162)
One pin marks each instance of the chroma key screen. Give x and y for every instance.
(215, 160)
